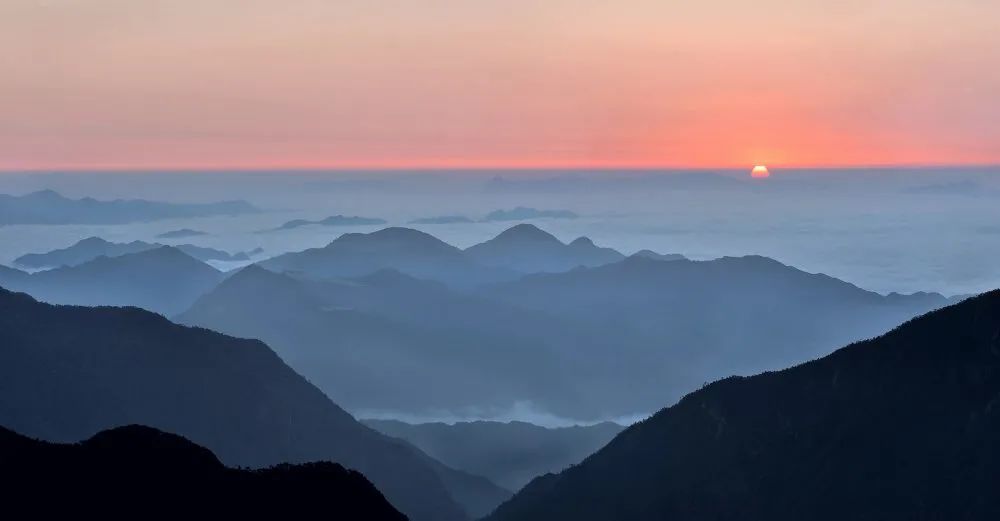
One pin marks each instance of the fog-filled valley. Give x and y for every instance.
(502, 343)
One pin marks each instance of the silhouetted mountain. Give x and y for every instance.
(901, 427)
(48, 207)
(527, 249)
(93, 247)
(522, 213)
(444, 219)
(181, 234)
(446, 349)
(675, 325)
(333, 220)
(650, 254)
(510, 454)
(129, 470)
(409, 251)
(165, 280)
(68, 372)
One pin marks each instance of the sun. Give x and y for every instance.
(760, 172)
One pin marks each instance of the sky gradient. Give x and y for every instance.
(497, 83)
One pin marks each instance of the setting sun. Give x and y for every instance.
(760, 172)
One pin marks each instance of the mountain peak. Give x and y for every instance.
(526, 232)
(582, 242)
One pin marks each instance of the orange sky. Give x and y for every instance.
(400, 83)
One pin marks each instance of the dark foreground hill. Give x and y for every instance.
(131, 471)
(68, 372)
(902, 427)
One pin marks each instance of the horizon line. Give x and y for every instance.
(475, 167)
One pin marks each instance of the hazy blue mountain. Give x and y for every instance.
(80, 252)
(443, 219)
(333, 220)
(93, 247)
(409, 251)
(650, 254)
(48, 207)
(522, 213)
(164, 279)
(510, 454)
(675, 325)
(901, 427)
(68, 372)
(447, 350)
(123, 472)
(528, 249)
(183, 233)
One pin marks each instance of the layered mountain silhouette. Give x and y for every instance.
(901, 427)
(67, 372)
(122, 472)
(528, 249)
(675, 325)
(509, 453)
(49, 207)
(164, 279)
(93, 247)
(561, 342)
(447, 350)
(406, 250)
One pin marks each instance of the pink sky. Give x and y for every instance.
(397, 83)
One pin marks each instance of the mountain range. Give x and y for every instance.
(93, 247)
(527, 249)
(49, 207)
(124, 471)
(164, 279)
(67, 372)
(900, 427)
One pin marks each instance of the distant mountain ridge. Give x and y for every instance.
(93, 247)
(526, 248)
(49, 207)
(900, 427)
(410, 251)
(126, 470)
(522, 213)
(333, 220)
(163, 279)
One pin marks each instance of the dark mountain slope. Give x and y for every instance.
(510, 454)
(901, 427)
(68, 372)
(409, 251)
(528, 249)
(123, 472)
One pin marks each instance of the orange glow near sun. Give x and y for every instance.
(760, 172)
